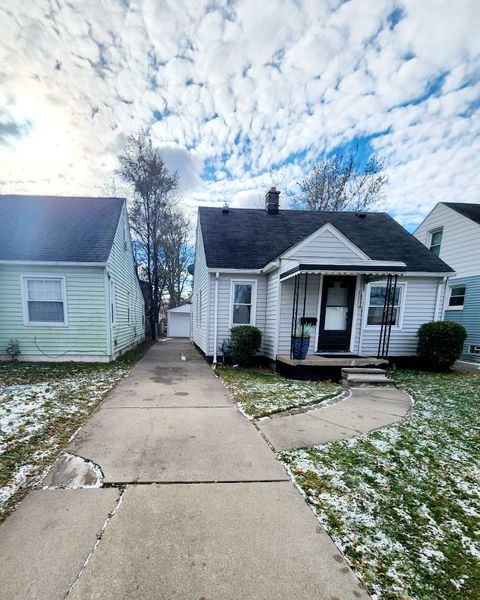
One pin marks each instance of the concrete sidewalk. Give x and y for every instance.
(366, 409)
(193, 505)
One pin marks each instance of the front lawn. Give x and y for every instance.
(41, 406)
(403, 503)
(260, 392)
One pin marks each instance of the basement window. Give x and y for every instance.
(457, 297)
(44, 301)
(474, 349)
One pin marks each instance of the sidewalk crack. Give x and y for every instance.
(119, 501)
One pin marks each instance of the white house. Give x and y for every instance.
(179, 321)
(452, 232)
(361, 280)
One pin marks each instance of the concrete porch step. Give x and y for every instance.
(364, 377)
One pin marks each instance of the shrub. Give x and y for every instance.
(244, 342)
(440, 343)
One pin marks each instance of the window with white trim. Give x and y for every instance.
(457, 297)
(436, 241)
(474, 349)
(243, 298)
(376, 302)
(45, 301)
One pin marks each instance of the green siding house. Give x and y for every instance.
(68, 285)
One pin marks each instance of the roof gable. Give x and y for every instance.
(326, 242)
(58, 228)
(242, 238)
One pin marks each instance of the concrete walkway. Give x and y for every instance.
(366, 409)
(193, 505)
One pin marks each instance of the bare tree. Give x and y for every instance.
(340, 182)
(177, 252)
(154, 190)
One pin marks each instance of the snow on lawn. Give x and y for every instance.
(403, 503)
(260, 392)
(41, 405)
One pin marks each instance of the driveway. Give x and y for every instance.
(192, 504)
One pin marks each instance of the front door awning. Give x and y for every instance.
(360, 268)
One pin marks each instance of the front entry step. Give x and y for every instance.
(364, 377)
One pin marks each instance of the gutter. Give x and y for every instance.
(215, 323)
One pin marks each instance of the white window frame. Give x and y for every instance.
(113, 303)
(472, 349)
(450, 289)
(253, 312)
(430, 237)
(403, 296)
(26, 319)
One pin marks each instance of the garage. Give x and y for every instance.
(179, 321)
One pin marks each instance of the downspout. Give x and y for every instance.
(437, 299)
(215, 322)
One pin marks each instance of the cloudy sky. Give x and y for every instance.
(242, 94)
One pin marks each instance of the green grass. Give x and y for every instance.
(261, 393)
(41, 406)
(403, 503)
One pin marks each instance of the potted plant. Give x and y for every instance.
(301, 341)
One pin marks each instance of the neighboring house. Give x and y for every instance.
(68, 284)
(268, 267)
(179, 321)
(452, 232)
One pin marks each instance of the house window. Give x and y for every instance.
(457, 297)
(243, 303)
(376, 303)
(436, 241)
(45, 301)
(474, 349)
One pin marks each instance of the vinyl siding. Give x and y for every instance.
(271, 313)
(419, 306)
(460, 247)
(225, 302)
(469, 317)
(121, 269)
(201, 283)
(322, 246)
(86, 334)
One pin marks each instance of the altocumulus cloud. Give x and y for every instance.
(242, 94)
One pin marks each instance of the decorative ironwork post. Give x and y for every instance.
(387, 316)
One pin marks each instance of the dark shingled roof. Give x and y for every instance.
(56, 228)
(250, 238)
(471, 211)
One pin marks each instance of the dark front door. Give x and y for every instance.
(338, 296)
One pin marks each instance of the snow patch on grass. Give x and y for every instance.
(260, 393)
(402, 503)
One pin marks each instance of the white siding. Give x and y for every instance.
(200, 299)
(460, 247)
(271, 313)
(322, 246)
(419, 307)
(225, 302)
(126, 332)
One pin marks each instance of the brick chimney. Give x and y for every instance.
(271, 201)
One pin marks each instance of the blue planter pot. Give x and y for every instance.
(300, 348)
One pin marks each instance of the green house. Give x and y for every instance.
(69, 290)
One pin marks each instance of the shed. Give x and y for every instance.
(179, 322)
